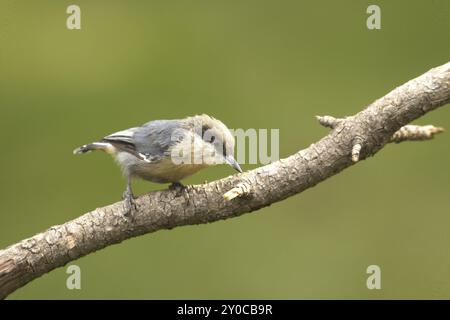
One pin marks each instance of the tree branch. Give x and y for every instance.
(351, 139)
(405, 133)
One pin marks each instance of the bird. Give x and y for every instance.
(167, 151)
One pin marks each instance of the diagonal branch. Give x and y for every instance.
(371, 129)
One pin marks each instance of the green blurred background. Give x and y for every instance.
(252, 64)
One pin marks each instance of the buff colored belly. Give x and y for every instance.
(165, 171)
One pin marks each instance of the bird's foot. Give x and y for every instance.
(129, 203)
(178, 187)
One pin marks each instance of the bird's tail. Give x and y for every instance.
(92, 146)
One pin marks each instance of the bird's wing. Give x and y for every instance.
(154, 139)
(123, 141)
(122, 136)
(150, 142)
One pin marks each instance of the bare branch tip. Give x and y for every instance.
(438, 130)
(328, 121)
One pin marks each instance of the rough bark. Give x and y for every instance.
(369, 130)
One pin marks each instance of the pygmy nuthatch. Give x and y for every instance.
(166, 151)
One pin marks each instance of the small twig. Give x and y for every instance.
(406, 133)
(412, 132)
(329, 121)
(242, 189)
(355, 152)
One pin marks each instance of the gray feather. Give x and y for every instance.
(155, 137)
(150, 142)
(123, 136)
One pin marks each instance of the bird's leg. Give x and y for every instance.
(128, 198)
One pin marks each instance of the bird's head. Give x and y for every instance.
(211, 141)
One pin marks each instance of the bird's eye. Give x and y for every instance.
(206, 132)
(204, 129)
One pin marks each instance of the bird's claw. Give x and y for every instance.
(178, 187)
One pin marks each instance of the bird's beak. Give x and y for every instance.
(232, 162)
